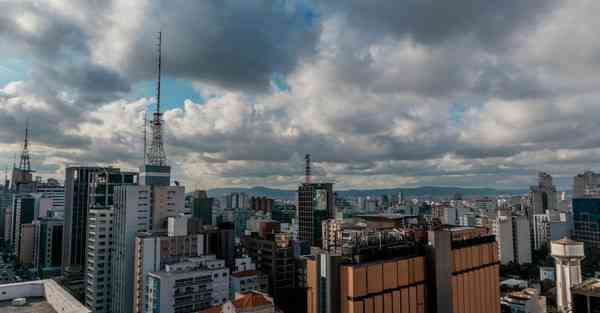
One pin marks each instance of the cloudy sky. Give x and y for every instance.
(382, 93)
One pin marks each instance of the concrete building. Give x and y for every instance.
(274, 256)
(98, 286)
(316, 203)
(154, 251)
(23, 212)
(552, 225)
(263, 204)
(86, 187)
(543, 196)
(244, 276)
(55, 192)
(527, 300)
(512, 235)
(249, 302)
(41, 296)
(190, 286)
(568, 255)
(138, 209)
(394, 274)
(586, 185)
(586, 296)
(25, 255)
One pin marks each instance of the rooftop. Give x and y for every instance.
(34, 305)
(589, 287)
(244, 274)
(245, 302)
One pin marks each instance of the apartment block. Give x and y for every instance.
(98, 287)
(189, 286)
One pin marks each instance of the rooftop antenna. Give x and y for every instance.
(145, 135)
(157, 155)
(25, 161)
(307, 169)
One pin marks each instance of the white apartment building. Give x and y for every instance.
(244, 276)
(98, 293)
(552, 225)
(190, 286)
(138, 209)
(512, 235)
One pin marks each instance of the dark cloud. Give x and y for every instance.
(440, 22)
(233, 44)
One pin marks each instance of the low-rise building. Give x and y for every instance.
(586, 296)
(39, 296)
(251, 302)
(525, 301)
(192, 285)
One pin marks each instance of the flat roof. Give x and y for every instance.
(34, 305)
(589, 287)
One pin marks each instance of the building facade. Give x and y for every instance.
(316, 203)
(85, 188)
(188, 286)
(98, 291)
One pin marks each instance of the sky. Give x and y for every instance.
(381, 93)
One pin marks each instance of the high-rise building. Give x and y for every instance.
(261, 204)
(274, 256)
(48, 246)
(586, 221)
(138, 209)
(512, 235)
(551, 226)
(568, 255)
(23, 212)
(192, 285)
(543, 196)
(25, 254)
(202, 207)
(55, 192)
(315, 204)
(86, 187)
(456, 270)
(98, 286)
(586, 185)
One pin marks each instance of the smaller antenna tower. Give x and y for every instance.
(307, 169)
(25, 161)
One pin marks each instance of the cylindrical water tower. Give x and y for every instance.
(568, 255)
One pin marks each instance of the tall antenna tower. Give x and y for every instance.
(307, 169)
(25, 161)
(156, 154)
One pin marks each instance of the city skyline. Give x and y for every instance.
(479, 96)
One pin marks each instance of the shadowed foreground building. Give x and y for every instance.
(384, 271)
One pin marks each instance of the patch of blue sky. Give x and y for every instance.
(13, 69)
(280, 82)
(173, 92)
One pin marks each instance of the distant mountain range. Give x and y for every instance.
(435, 192)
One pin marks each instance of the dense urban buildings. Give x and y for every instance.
(85, 188)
